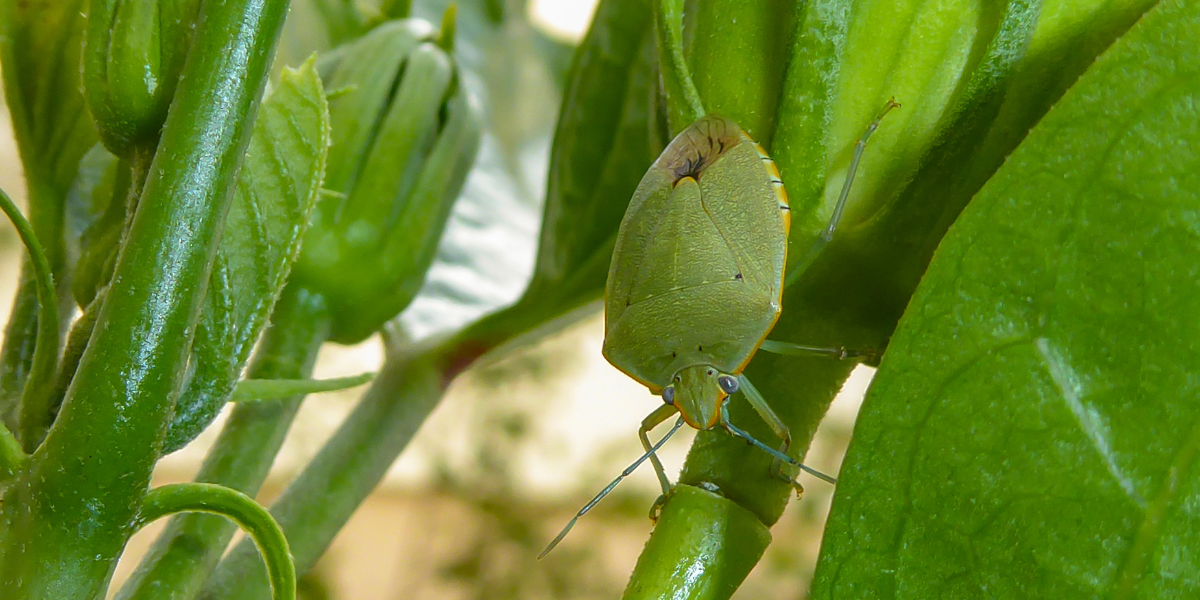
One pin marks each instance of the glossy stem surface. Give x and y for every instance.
(184, 555)
(67, 519)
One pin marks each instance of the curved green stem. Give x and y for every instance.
(683, 100)
(187, 551)
(321, 499)
(239, 508)
(34, 418)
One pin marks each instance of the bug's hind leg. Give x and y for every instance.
(826, 236)
(781, 431)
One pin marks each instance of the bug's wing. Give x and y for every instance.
(749, 209)
(685, 251)
(639, 226)
(689, 154)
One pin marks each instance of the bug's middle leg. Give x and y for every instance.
(826, 236)
(836, 353)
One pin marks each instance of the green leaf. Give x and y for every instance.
(848, 58)
(274, 199)
(254, 390)
(90, 196)
(601, 150)
(1033, 428)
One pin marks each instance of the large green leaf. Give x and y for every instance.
(274, 198)
(956, 66)
(1033, 427)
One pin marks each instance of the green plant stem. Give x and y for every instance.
(81, 329)
(316, 506)
(239, 508)
(52, 131)
(22, 332)
(683, 101)
(35, 418)
(66, 520)
(182, 557)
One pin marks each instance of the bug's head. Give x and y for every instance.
(698, 392)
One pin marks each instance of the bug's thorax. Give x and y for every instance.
(698, 395)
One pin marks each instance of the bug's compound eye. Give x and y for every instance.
(728, 383)
(668, 394)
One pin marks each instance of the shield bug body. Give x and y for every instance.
(696, 284)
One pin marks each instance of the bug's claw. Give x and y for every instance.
(656, 508)
(799, 489)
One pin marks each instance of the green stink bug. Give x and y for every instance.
(696, 284)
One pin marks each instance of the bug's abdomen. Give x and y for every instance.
(656, 337)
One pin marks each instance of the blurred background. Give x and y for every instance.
(519, 443)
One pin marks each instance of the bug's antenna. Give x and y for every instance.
(604, 492)
(773, 452)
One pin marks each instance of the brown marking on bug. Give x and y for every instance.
(698, 147)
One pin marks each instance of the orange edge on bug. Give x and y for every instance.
(781, 194)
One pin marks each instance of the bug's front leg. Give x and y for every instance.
(651, 421)
(781, 430)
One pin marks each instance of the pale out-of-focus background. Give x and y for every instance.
(511, 453)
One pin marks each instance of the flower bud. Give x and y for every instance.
(404, 138)
(133, 54)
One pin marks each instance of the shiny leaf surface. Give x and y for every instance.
(1032, 431)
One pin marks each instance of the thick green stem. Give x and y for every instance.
(239, 508)
(182, 557)
(66, 520)
(316, 506)
(35, 418)
(51, 397)
(683, 101)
